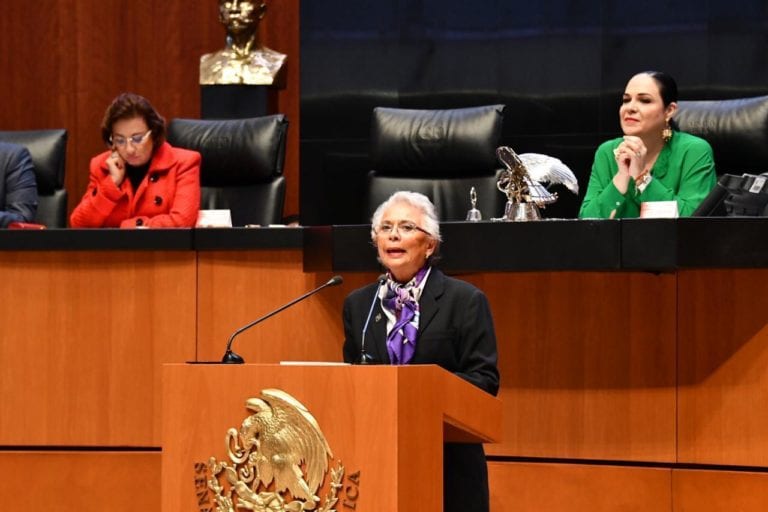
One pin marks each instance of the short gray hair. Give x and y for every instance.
(417, 200)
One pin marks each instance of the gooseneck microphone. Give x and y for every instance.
(233, 358)
(365, 358)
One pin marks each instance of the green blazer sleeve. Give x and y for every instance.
(603, 198)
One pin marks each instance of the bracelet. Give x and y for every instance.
(641, 177)
(642, 182)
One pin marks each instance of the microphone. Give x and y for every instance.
(365, 358)
(233, 358)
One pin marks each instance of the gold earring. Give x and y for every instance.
(666, 133)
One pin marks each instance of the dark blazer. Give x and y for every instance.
(455, 332)
(18, 187)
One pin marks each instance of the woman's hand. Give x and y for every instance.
(116, 168)
(630, 157)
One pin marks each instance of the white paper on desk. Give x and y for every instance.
(214, 219)
(658, 210)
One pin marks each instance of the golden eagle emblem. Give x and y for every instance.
(277, 460)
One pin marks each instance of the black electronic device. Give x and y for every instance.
(736, 196)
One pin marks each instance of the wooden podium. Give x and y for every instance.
(385, 425)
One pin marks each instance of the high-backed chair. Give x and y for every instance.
(737, 130)
(242, 164)
(48, 149)
(440, 153)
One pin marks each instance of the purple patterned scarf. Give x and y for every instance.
(402, 300)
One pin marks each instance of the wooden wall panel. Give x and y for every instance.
(80, 481)
(716, 491)
(82, 341)
(583, 371)
(587, 359)
(62, 62)
(522, 487)
(723, 368)
(37, 64)
(282, 33)
(236, 287)
(587, 363)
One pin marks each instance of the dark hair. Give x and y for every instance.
(667, 86)
(127, 106)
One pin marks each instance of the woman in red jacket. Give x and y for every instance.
(141, 181)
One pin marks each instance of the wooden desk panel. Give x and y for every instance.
(523, 487)
(82, 339)
(723, 367)
(80, 481)
(583, 373)
(587, 362)
(587, 358)
(383, 422)
(718, 491)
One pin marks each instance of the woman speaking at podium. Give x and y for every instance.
(417, 315)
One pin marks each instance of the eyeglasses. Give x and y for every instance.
(133, 139)
(404, 228)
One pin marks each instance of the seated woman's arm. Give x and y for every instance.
(100, 199)
(603, 198)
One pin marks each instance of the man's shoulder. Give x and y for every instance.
(11, 148)
(13, 154)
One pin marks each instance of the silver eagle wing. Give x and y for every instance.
(548, 169)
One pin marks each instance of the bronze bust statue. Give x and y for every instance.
(243, 60)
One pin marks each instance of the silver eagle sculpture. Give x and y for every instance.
(522, 180)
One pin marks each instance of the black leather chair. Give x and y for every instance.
(440, 153)
(737, 130)
(242, 164)
(48, 149)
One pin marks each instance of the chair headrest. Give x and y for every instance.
(436, 142)
(48, 149)
(736, 129)
(234, 151)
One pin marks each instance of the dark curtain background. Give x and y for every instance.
(559, 66)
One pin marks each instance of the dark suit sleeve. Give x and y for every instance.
(20, 190)
(479, 357)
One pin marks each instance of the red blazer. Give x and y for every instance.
(167, 197)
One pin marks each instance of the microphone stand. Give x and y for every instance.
(364, 357)
(231, 357)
